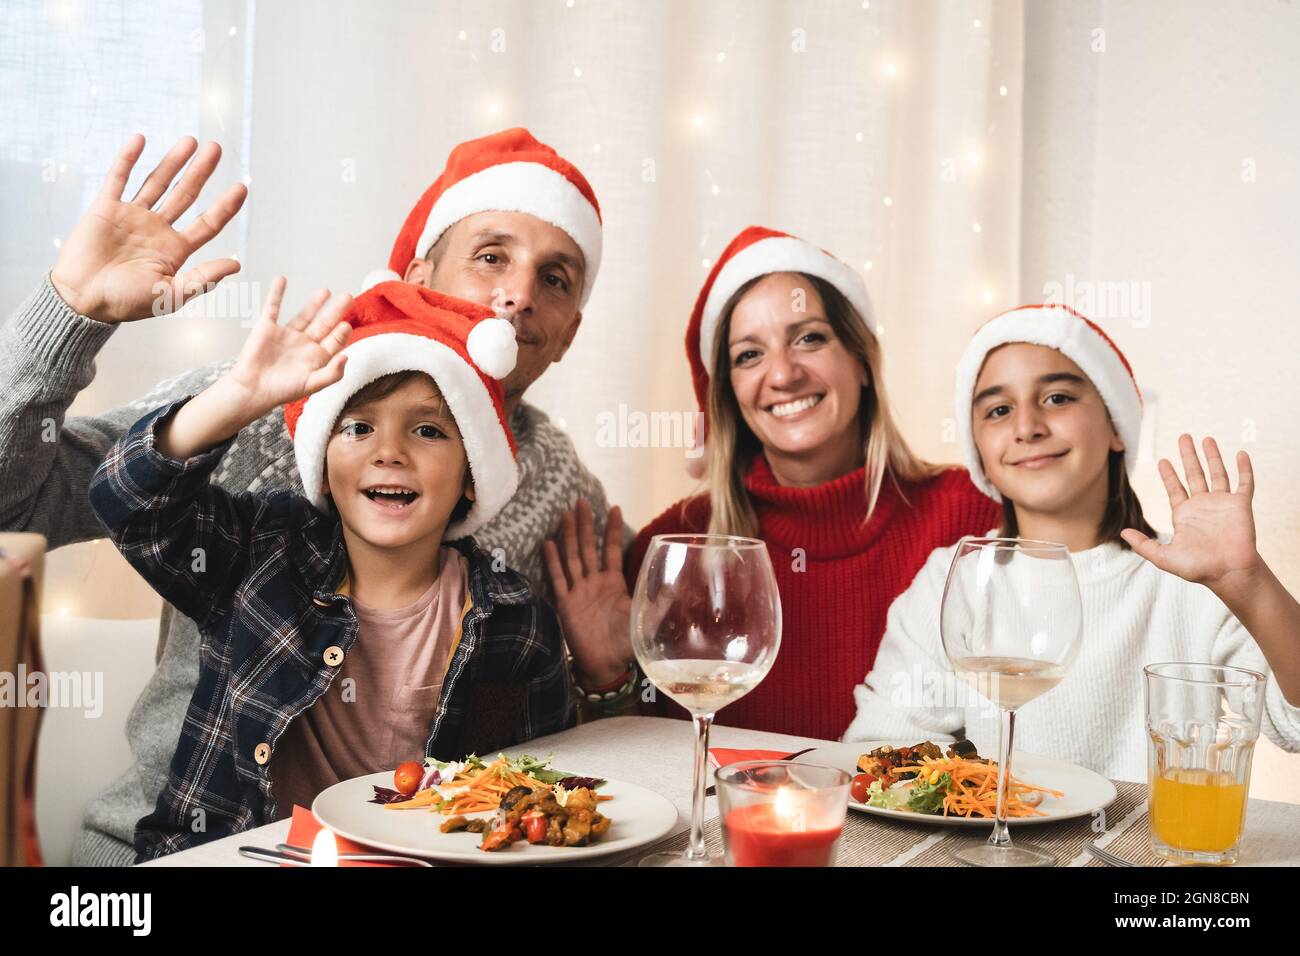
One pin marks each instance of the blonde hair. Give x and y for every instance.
(732, 446)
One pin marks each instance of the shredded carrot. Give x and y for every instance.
(976, 788)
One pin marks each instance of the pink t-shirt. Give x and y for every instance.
(378, 711)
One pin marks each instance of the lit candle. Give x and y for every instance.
(324, 849)
(779, 834)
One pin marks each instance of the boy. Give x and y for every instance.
(431, 647)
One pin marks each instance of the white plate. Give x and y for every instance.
(638, 816)
(1085, 791)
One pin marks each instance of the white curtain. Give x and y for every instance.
(967, 156)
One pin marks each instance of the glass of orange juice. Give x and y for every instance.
(1202, 724)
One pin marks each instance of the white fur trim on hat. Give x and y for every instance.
(521, 187)
(1074, 338)
(491, 344)
(777, 254)
(492, 466)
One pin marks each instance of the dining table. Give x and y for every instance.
(657, 752)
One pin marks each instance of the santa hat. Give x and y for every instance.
(755, 252)
(508, 171)
(398, 327)
(1082, 342)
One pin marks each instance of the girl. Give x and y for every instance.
(1050, 414)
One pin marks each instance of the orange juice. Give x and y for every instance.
(1199, 810)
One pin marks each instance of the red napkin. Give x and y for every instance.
(721, 756)
(303, 830)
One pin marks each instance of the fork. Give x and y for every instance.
(1106, 856)
(798, 753)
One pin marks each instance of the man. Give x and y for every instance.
(508, 224)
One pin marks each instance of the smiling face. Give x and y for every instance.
(395, 465)
(527, 270)
(798, 388)
(1042, 431)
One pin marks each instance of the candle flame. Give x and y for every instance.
(790, 810)
(324, 849)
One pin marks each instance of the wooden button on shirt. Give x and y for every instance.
(378, 711)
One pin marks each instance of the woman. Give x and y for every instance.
(1050, 414)
(803, 453)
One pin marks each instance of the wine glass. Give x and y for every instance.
(706, 626)
(1012, 624)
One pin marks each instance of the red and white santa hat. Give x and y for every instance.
(755, 252)
(1078, 339)
(463, 347)
(509, 171)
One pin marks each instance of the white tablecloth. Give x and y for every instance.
(656, 752)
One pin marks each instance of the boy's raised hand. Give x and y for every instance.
(1214, 528)
(123, 260)
(282, 363)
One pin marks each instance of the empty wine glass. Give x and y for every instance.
(1012, 623)
(706, 626)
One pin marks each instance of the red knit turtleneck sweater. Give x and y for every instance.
(833, 611)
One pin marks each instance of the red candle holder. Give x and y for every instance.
(779, 813)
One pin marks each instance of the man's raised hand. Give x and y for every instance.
(123, 260)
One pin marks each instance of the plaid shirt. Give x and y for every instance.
(259, 574)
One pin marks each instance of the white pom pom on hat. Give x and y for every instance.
(492, 346)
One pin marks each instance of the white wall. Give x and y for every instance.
(1170, 159)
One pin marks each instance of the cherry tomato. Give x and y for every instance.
(406, 778)
(535, 828)
(858, 788)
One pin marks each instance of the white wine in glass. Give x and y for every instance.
(1012, 624)
(706, 627)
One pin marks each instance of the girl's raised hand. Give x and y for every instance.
(1214, 528)
(282, 363)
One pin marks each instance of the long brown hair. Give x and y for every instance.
(732, 446)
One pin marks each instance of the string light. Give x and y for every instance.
(722, 55)
(889, 201)
(461, 35)
(866, 266)
(706, 263)
(987, 296)
(891, 70)
(858, 137)
(577, 71)
(977, 24)
(595, 148)
(976, 227)
(1002, 91)
(58, 243)
(233, 31)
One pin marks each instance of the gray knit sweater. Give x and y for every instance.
(47, 356)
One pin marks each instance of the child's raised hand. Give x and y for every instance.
(1214, 527)
(282, 363)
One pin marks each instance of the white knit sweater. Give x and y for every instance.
(1134, 614)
